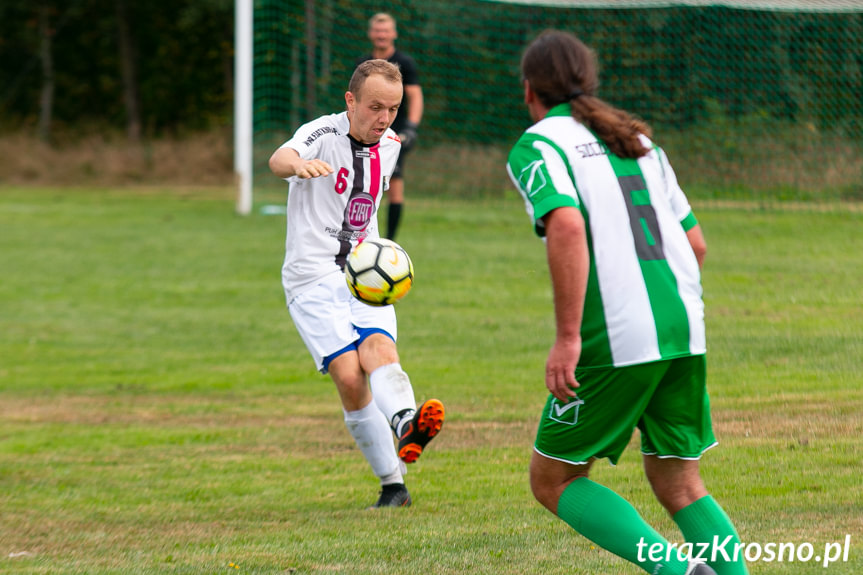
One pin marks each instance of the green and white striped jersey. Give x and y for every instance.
(643, 299)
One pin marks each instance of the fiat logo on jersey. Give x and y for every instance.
(359, 212)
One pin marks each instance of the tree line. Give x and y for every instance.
(149, 68)
(165, 67)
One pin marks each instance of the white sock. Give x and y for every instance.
(370, 429)
(393, 393)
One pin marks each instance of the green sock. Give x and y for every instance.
(706, 522)
(611, 522)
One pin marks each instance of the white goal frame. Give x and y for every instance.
(244, 11)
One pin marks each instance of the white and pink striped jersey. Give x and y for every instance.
(327, 216)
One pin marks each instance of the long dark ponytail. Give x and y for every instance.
(561, 68)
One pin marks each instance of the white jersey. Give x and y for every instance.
(327, 216)
(643, 300)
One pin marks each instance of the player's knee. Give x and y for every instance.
(543, 493)
(353, 385)
(376, 350)
(674, 496)
(549, 479)
(350, 382)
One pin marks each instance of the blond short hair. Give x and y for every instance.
(368, 68)
(382, 17)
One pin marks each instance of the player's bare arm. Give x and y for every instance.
(286, 162)
(569, 264)
(414, 93)
(699, 246)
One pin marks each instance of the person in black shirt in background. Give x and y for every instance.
(383, 34)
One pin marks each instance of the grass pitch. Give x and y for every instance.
(159, 414)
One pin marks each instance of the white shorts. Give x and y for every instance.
(331, 321)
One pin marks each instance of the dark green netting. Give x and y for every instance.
(758, 105)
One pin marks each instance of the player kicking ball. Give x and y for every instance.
(338, 167)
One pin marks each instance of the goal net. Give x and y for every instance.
(755, 102)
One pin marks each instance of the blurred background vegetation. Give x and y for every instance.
(116, 92)
(150, 68)
(756, 103)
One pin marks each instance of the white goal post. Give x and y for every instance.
(243, 92)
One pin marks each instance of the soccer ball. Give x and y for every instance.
(379, 272)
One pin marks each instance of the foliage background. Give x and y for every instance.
(675, 65)
(182, 52)
(762, 104)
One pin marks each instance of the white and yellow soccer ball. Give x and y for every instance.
(379, 272)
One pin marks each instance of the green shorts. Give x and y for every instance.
(667, 400)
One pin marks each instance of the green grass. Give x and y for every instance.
(159, 414)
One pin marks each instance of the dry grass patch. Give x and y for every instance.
(790, 416)
(204, 159)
